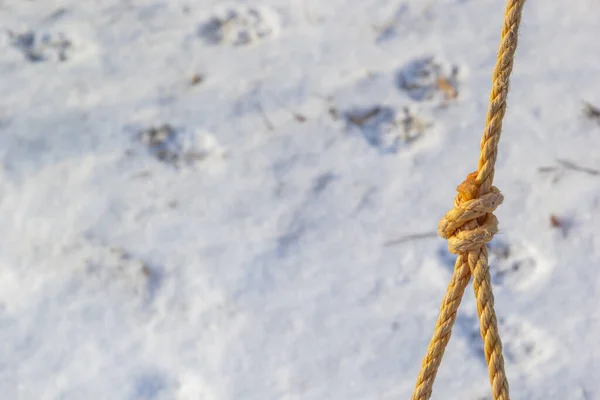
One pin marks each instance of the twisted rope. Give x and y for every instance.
(470, 225)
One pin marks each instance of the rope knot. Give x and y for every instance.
(471, 223)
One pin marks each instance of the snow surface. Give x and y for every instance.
(200, 200)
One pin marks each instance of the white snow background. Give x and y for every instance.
(201, 200)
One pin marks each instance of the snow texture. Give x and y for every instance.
(207, 200)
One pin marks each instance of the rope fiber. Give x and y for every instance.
(470, 225)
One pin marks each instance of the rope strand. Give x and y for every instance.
(470, 225)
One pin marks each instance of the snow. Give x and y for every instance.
(228, 236)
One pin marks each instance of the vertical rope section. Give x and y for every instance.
(470, 225)
(500, 84)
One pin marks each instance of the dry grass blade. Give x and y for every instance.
(265, 118)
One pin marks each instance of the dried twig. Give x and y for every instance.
(56, 14)
(411, 237)
(567, 165)
(574, 167)
(297, 116)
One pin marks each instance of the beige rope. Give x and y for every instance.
(470, 225)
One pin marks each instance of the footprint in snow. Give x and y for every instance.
(241, 25)
(38, 47)
(516, 266)
(524, 345)
(429, 79)
(123, 272)
(180, 147)
(385, 130)
(513, 265)
(150, 385)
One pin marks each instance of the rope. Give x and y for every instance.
(470, 225)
